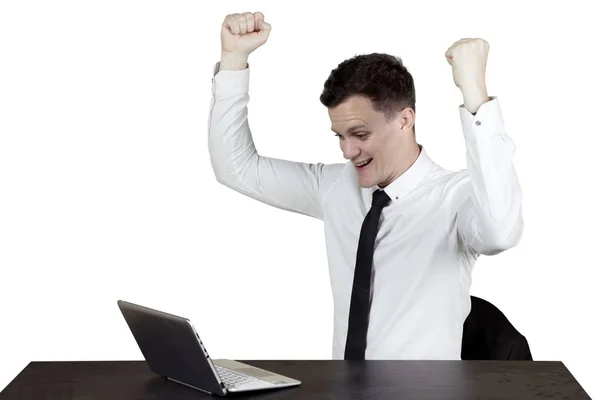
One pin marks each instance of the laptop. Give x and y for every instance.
(173, 349)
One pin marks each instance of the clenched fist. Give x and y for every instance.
(241, 34)
(468, 58)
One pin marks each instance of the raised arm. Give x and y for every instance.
(490, 220)
(292, 186)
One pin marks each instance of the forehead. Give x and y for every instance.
(356, 109)
(355, 106)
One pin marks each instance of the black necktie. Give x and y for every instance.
(358, 321)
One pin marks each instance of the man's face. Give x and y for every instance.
(367, 137)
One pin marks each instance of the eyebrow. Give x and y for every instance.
(353, 128)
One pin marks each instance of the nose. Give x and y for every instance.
(349, 149)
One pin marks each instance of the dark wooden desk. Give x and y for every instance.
(402, 380)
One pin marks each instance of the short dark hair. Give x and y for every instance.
(381, 77)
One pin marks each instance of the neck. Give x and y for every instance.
(406, 160)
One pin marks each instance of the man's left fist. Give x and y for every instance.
(468, 58)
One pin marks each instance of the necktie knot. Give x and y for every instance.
(380, 198)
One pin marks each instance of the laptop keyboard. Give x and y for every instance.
(237, 380)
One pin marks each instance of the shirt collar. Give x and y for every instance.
(410, 178)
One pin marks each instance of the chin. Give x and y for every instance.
(366, 183)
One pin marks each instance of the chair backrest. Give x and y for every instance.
(489, 335)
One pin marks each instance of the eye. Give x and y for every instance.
(362, 136)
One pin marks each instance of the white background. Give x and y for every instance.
(107, 193)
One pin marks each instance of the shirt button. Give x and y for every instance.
(477, 123)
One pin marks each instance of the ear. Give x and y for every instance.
(405, 120)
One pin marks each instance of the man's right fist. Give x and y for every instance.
(244, 33)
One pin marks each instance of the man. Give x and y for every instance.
(402, 233)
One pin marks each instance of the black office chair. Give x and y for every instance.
(488, 335)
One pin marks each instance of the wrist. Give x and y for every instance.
(474, 96)
(233, 61)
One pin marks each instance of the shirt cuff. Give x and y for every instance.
(486, 124)
(230, 82)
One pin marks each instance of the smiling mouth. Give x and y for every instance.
(363, 164)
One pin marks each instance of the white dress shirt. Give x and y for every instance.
(430, 235)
